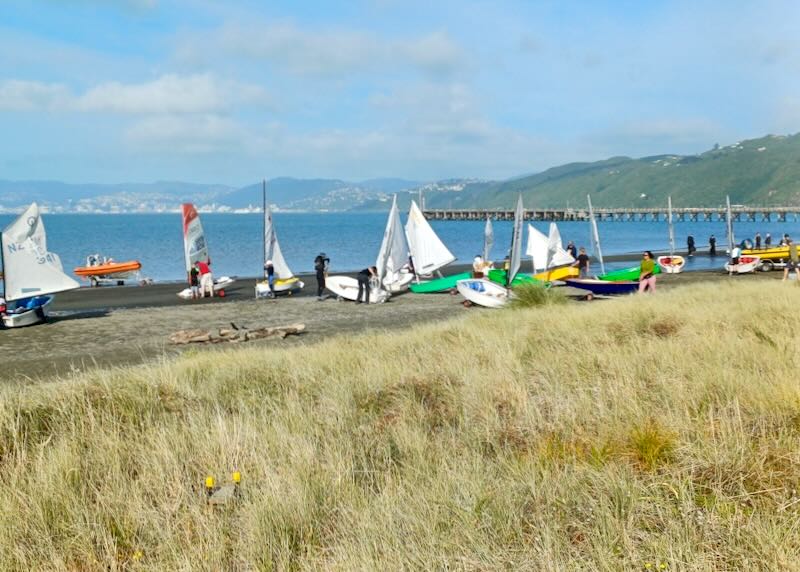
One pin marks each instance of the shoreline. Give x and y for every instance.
(164, 293)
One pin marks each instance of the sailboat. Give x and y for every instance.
(392, 258)
(448, 283)
(599, 286)
(671, 264)
(195, 249)
(428, 252)
(745, 264)
(31, 273)
(285, 280)
(487, 293)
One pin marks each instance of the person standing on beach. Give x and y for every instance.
(690, 245)
(269, 270)
(478, 266)
(768, 240)
(793, 263)
(194, 282)
(573, 252)
(736, 252)
(206, 279)
(712, 245)
(647, 277)
(363, 278)
(758, 241)
(582, 262)
(321, 263)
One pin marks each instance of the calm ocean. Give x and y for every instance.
(350, 240)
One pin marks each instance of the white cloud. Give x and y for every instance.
(168, 94)
(185, 134)
(19, 95)
(325, 52)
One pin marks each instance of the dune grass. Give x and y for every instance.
(646, 433)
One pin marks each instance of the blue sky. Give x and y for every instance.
(231, 92)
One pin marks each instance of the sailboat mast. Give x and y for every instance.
(595, 235)
(264, 226)
(671, 229)
(729, 223)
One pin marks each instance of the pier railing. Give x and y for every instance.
(739, 213)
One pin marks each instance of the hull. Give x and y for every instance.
(671, 264)
(558, 274)
(113, 270)
(774, 253)
(498, 276)
(483, 292)
(346, 288)
(219, 287)
(631, 273)
(400, 285)
(604, 287)
(281, 286)
(28, 317)
(746, 265)
(439, 284)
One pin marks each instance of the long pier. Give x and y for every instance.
(739, 213)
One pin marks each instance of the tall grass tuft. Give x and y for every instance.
(533, 294)
(650, 432)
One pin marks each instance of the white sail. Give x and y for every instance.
(537, 248)
(516, 242)
(556, 255)
(194, 240)
(595, 236)
(272, 250)
(488, 239)
(393, 254)
(428, 252)
(29, 269)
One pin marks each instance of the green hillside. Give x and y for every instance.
(763, 171)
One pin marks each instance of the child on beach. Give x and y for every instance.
(194, 282)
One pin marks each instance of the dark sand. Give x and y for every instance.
(128, 325)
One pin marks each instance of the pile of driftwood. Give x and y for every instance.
(234, 334)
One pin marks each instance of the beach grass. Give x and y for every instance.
(651, 432)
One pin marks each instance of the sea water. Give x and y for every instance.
(351, 241)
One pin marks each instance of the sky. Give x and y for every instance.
(234, 91)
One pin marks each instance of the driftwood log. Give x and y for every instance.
(234, 334)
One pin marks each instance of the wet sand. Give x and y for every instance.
(128, 325)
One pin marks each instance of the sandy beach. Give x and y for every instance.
(126, 325)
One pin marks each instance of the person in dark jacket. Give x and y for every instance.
(269, 270)
(321, 263)
(363, 278)
(712, 245)
(690, 245)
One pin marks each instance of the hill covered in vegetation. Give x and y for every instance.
(763, 171)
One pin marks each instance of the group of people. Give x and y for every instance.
(201, 281)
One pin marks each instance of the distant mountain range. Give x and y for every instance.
(764, 171)
(166, 196)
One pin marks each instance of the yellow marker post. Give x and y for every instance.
(209, 485)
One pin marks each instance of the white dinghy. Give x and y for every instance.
(31, 273)
(484, 292)
(195, 249)
(428, 252)
(285, 280)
